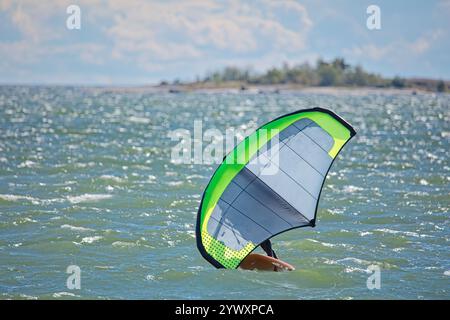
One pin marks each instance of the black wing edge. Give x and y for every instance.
(352, 134)
(327, 111)
(200, 246)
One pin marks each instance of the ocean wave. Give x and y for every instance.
(123, 244)
(141, 120)
(406, 233)
(14, 198)
(88, 198)
(352, 189)
(355, 260)
(74, 228)
(90, 239)
(23, 220)
(354, 263)
(325, 244)
(331, 245)
(112, 178)
(354, 269)
(150, 277)
(64, 294)
(175, 183)
(195, 176)
(27, 164)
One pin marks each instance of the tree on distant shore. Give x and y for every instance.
(333, 73)
(441, 87)
(398, 82)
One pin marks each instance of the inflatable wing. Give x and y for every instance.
(268, 184)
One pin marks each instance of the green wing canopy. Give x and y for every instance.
(268, 184)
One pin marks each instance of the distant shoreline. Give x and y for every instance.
(236, 89)
(335, 73)
(258, 89)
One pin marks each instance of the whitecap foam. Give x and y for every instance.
(352, 189)
(195, 176)
(141, 120)
(191, 233)
(354, 269)
(88, 198)
(175, 183)
(14, 197)
(150, 277)
(112, 178)
(355, 260)
(24, 220)
(325, 244)
(406, 233)
(104, 267)
(123, 244)
(63, 294)
(74, 228)
(90, 239)
(26, 296)
(27, 164)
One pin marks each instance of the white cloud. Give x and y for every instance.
(424, 43)
(149, 33)
(396, 51)
(33, 19)
(192, 29)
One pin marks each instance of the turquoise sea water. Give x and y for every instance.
(86, 179)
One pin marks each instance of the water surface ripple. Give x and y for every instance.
(86, 179)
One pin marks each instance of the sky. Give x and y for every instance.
(137, 42)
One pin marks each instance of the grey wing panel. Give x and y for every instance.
(276, 203)
(301, 171)
(311, 152)
(302, 157)
(228, 235)
(271, 150)
(296, 195)
(231, 192)
(236, 229)
(253, 213)
(219, 211)
(294, 129)
(260, 201)
(319, 136)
